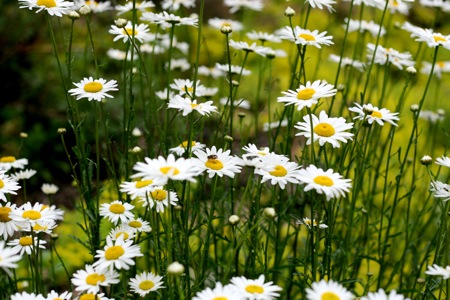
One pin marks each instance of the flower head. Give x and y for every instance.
(7, 185)
(216, 161)
(256, 289)
(116, 211)
(26, 244)
(140, 32)
(436, 270)
(9, 257)
(440, 190)
(378, 115)
(305, 37)
(186, 105)
(93, 89)
(181, 148)
(8, 162)
(311, 223)
(219, 23)
(160, 198)
(381, 295)
(227, 292)
(8, 225)
(321, 4)
(166, 20)
(145, 283)
(308, 94)
(91, 279)
(117, 254)
(52, 7)
(328, 290)
(278, 169)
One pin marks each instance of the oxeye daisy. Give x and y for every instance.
(381, 295)
(181, 149)
(218, 162)
(117, 254)
(122, 231)
(142, 6)
(227, 292)
(27, 296)
(176, 4)
(305, 37)
(186, 86)
(93, 296)
(326, 130)
(248, 48)
(439, 68)
(23, 174)
(331, 184)
(254, 154)
(138, 188)
(440, 190)
(385, 55)
(443, 161)
(436, 270)
(372, 113)
(278, 169)
(90, 279)
(53, 7)
(218, 23)
(7, 185)
(308, 94)
(96, 7)
(433, 39)
(186, 105)
(328, 290)
(321, 4)
(44, 226)
(235, 70)
(49, 188)
(140, 32)
(263, 37)
(7, 225)
(8, 258)
(8, 162)
(145, 283)
(116, 211)
(311, 223)
(93, 89)
(165, 20)
(26, 244)
(55, 296)
(236, 5)
(160, 198)
(138, 225)
(346, 61)
(256, 289)
(31, 214)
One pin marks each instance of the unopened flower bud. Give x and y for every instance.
(340, 87)
(136, 149)
(426, 160)
(61, 131)
(420, 280)
(121, 23)
(23, 135)
(85, 10)
(73, 15)
(241, 115)
(228, 138)
(136, 132)
(175, 268)
(226, 29)
(234, 220)
(411, 70)
(178, 207)
(270, 54)
(235, 82)
(289, 12)
(414, 107)
(269, 212)
(440, 112)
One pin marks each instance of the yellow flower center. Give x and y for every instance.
(305, 94)
(377, 114)
(307, 37)
(92, 279)
(278, 171)
(220, 298)
(194, 105)
(214, 164)
(31, 214)
(438, 39)
(129, 31)
(254, 289)
(168, 169)
(125, 235)
(2, 184)
(185, 144)
(93, 87)
(26, 241)
(116, 208)
(7, 159)
(46, 3)
(324, 180)
(146, 285)
(394, 3)
(330, 296)
(324, 129)
(114, 252)
(135, 224)
(441, 64)
(4, 214)
(262, 153)
(159, 195)
(38, 227)
(226, 24)
(188, 89)
(89, 297)
(143, 183)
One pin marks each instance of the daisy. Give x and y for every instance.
(166, 20)
(23, 174)
(305, 37)
(7, 225)
(176, 4)
(7, 185)
(385, 55)
(186, 105)
(271, 53)
(256, 289)
(8, 258)
(308, 94)
(8, 162)
(55, 296)
(436, 270)
(236, 5)
(31, 214)
(248, 48)
(138, 225)
(179, 64)
(53, 7)
(218, 23)
(92, 296)
(126, 232)
(240, 103)
(326, 130)
(165, 169)
(145, 283)
(381, 295)
(118, 254)
(227, 292)
(269, 126)
(121, 55)
(431, 116)
(378, 115)
(278, 169)
(433, 39)
(49, 188)
(44, 226)
(443, 161)
(138, 188)
(186, 86)
(263, 37)
(331, 184)
(116, 211)
(328, 290)
(140, 32)
(346, 61)
(362, 26)
(27, 296)
(26, 244)
(209, 71)
(181, 148)
(141, 6)
(93, 89)
(441, 190)
(311, 223)
(218, 162)
(439, 68)
(321, 4)
(235, 70)
(96, 7)
(90, 279)
(254, 155)
(399, 6)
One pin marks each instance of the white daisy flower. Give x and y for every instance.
(311, 223)
(209, 71)
(138, 188)
(140, 32)
(362, 25)
(138, 225)
(44, 226)
(235, 70)
(308, 94)
(439, 68)
(381, 295)
(181, 148)
(186, 106)
(179, 64)
(331, 289)
(118, 254)
(27, 296)
(96, 7)
(346, 61)
(218, 162)
(389, 55)
(218, 23)
(227, 292)
(248, 48)
(8, 162)
(378, 115)
(186, 86)
(269, 126)
(436, 270)
(331, 184)
(126, 232)
(321, 4)
(90, 279)
(49, 188)
(31, 214)
(305, 37)
(145, 283)
(8, 226)
(93, 89)
(26, 244)
(433, 39)
(236, 5)
(440, 190)
(263, 37)
(443, 161)
(326, 130)
(256, 289)
(278, 169)
(142, 6)
(431, 116)
(23, 174)
(254, 155)
(92, 296)
(176, 4)
(53, 7)
(240, 103)
(55, 296)
(399, 6)
(9, 258)
(165, 20)
(116, 211)
(7, 185)
(121, 55)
